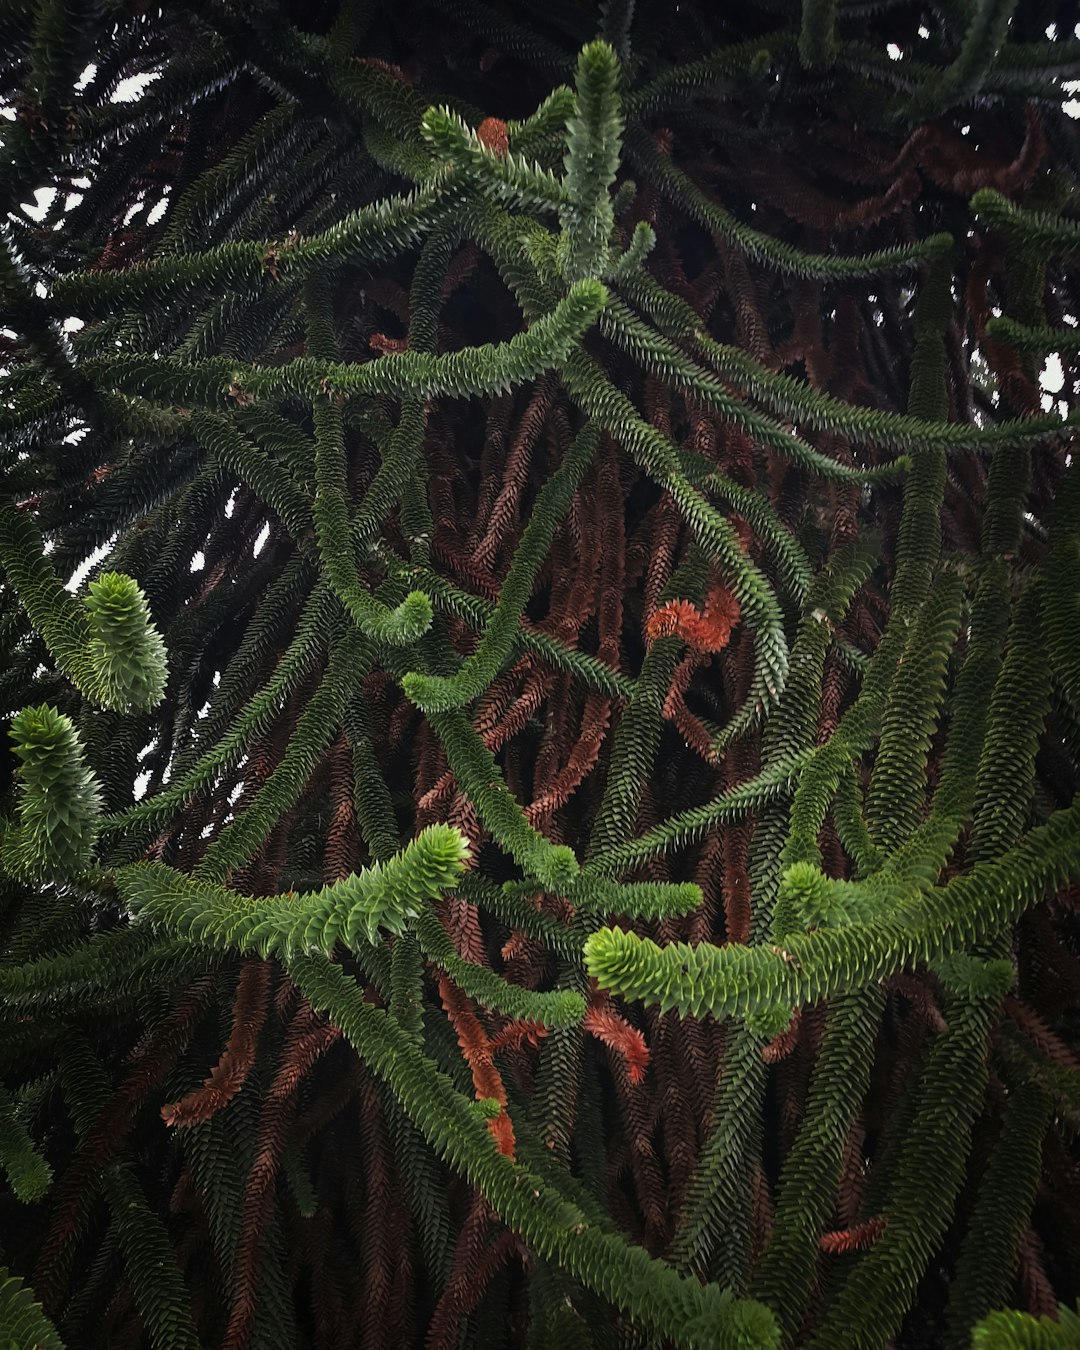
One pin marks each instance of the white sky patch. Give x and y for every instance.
(1071, 108)
(43, 199)
(72, 324)
(1051, 384)
(134, 87)
(1053, 377)
(264, 535)
(158, 211)
(80, 574)
(85, 78)
(198, 562)
(72, 199)
(895, 54)
(230, 505)
(142, 782)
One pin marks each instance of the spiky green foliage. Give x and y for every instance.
(59, 799)
(963, 79)
(918, 925)
(110, 648)
(806, 899)
(127, 654)
(383, 896)
(897, 791)
(1061, 600)
(926, 1183)
(988, 1259)
(1020, 1331)
(149, 1263)
(51, 609)
(598, 861)
(27, 1171)
(592, 157)
(812, 1168)
(1037, 229)
(21, 1317)
(436, 694)
(556, 1227)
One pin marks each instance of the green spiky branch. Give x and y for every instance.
(108, 647)
(223, 367)
(1021, 1331)
(22, 1317)
(59, 799)
(554, 1225)
(927, 925)
(352, 911)
(434, 693)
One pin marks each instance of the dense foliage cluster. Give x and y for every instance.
(541, 632)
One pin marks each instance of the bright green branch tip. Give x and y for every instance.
(127, 655)
(27, 1171)
(22, 1318)
(1012, 1330)
(59, 799)
(593, 139)
(931, 925)
(386, 895)
(108, 646)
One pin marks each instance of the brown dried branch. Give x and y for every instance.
(230, 1072)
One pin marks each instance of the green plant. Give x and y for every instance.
(554, 820)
